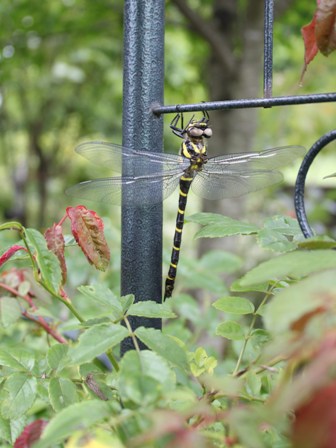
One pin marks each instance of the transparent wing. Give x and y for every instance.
(220, 186)
(142, 190)
(270, 159)
(145, 162)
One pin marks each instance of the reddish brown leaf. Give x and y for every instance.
(308, 34)
(55, 243)
(88, 229)
(315, 421)
(325, 27)
(30, 434)
(9, 253)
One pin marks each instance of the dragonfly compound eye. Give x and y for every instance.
(207, 133)
(195, 132)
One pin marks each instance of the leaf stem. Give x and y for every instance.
(247, 337)
(132, 335)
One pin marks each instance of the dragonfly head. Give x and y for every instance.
(198, 129)
(195, 130)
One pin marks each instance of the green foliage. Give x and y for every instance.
(259, 343)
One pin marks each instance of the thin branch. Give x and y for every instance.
(40, 321)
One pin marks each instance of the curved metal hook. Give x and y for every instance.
(301, 178)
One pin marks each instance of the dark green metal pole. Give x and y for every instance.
(141, 251)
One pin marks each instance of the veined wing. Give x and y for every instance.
(270, 159)
(145, 162)
(226, 185)
(140, 190)
(234, 175)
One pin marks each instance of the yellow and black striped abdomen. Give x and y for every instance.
(185, 183)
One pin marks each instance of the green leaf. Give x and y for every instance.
(48, 263)
(17, 358)
(294, 264)
(74, 417)
(274, 240)
(144, 377)
(10, 311)
(317, 292)
(95, 341)
(12, 225)
(19, 395)
(318, 242)
(127, 301)
(11, 429)
(230, 329)
(149, 308)
(163, 345)
(283, 224)
(103, 298)
(62, 393)
(234, 305)
(226, 227)
(57, 355)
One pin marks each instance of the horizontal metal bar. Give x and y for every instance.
(246, 103)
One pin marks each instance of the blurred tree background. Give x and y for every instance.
(61, 83)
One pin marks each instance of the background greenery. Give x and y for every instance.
(61, 83)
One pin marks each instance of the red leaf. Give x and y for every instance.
(311, 49)
(315, 421)
(30, 434)
(88, 229)
(325, 27)
(55, 243)
(9, 253)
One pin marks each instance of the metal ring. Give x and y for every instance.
(301, 178)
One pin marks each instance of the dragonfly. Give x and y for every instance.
(156, 175)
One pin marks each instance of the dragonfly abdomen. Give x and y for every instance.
(185, 183)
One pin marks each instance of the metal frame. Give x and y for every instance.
(141, 228)
(143, 95)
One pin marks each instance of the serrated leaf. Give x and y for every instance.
(17, 358)
(230, 329)
(56, 356)
(62, 393)
(234, 305)
(48, 263)
(274, 240)
(88, 229)
(164, 346)
(10, 311)
(294, 264)
(74, 417)
(217, 226)
(20, 395)
(55, 242)
(105, 298)
(283, 224)
(228, 227)
(95, 341)
(149, 308)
